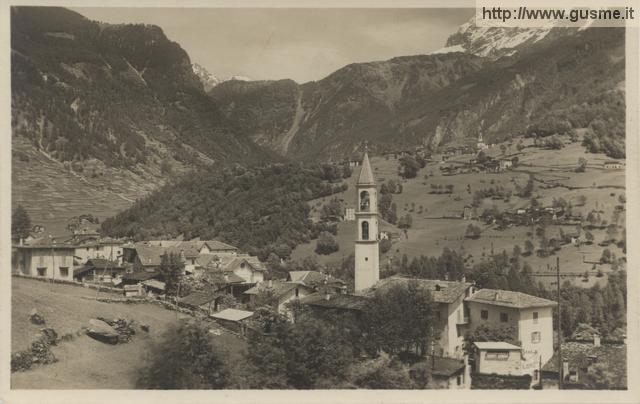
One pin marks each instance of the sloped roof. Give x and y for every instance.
(312, 278)
(336, 301)
(154, 283)
(366, 175)
(219, 245)
(580, 355)
(279, 288)
(149, 255)
(204, 260)
(102, 263)
(441, 291)
(441, 366)
(233, 314)
(507, 298)
(139, 275)
(200, 298)
(235, 263)
(496, 345)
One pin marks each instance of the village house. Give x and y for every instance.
(282, 292)
(505, 164)
(349, 214)
(612, 165)
(317, 280)
(100, 270)
(45, 259)
(531, 316)
(451, 312)
(580, 360)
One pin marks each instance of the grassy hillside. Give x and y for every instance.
(434, 229)
(84, 363)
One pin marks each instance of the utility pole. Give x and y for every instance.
(560, 375)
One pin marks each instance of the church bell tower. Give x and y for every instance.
(367, 266)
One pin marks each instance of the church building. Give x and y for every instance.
(367, 266)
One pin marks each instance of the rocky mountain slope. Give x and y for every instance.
(209, 81)
(556, 80)
(94, 98)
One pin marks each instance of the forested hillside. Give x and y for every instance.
(123, 94)
(261, 210)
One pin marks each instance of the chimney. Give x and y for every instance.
(596, 340)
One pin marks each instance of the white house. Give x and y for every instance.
(450, 298)
(45, 260)
(531, 316)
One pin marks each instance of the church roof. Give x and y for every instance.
(366, 175)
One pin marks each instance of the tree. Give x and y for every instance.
(612, 231)
(405, 222)
(402, 317)
(606, 256)
(528, 247)
(582, 165)
(385, 245)
(589, 237)
(409, 167)
(20, 223)
(298, 355)
(185, 358)
(473, 232)
(326, 244)
(171, 270)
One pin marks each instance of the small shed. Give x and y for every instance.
(498, 357)
(233, 319)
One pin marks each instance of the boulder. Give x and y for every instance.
(36, 318)
(103, 332)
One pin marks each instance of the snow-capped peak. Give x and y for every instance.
(492, 41)
(207, 79)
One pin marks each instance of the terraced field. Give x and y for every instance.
(52, 194)
(436, 228)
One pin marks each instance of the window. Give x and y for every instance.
(42, 271)
(535, 317)
(504, 317)
(439, 315)
(297, 292)
(364, 201)
(64, 272)
(365, 230)
(484, 314)
(497, 355)
(535, 337)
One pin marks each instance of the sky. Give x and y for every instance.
(299, 44)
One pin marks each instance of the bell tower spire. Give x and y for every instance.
(367, 265)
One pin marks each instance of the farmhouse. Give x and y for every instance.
(612, 165)
(99, 270)
(317, 280)
(282, 293)
(45, 259)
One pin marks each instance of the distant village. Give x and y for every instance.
(220, 271)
